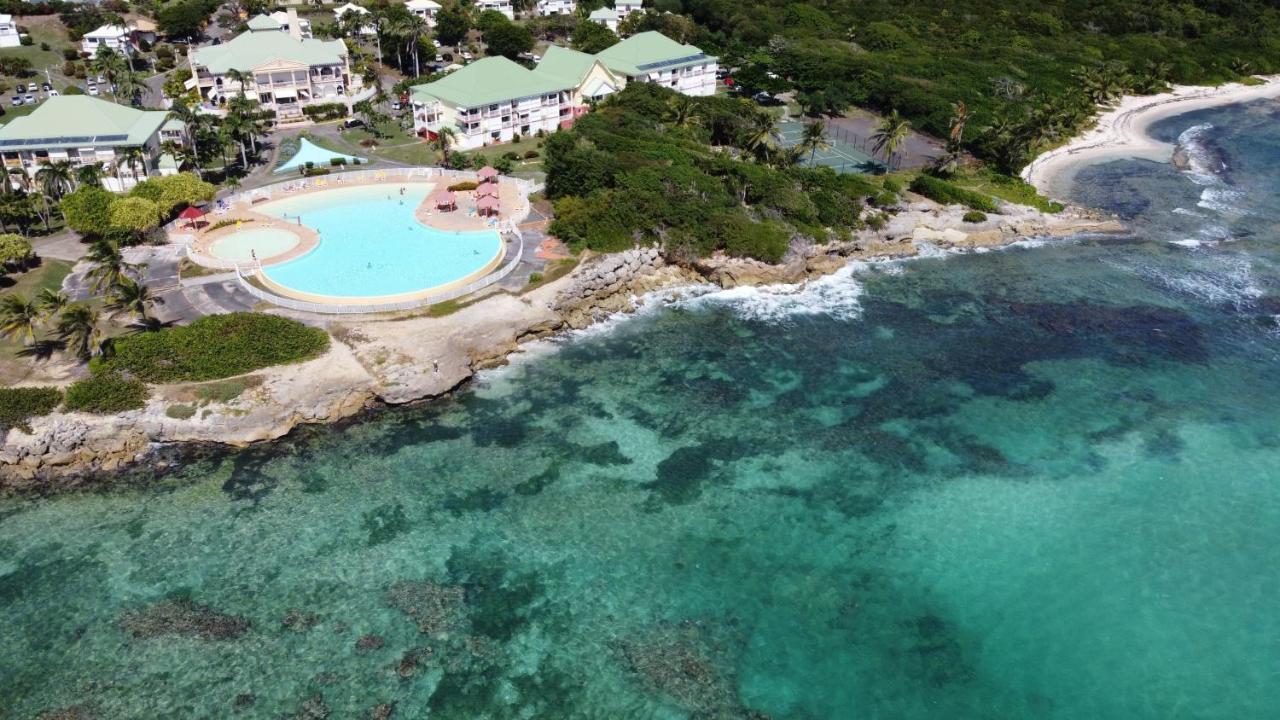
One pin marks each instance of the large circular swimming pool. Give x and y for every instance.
(261, 243)
(372, 247)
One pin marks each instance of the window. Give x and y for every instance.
(524, 129)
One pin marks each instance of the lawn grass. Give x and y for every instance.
(1009, 189)
(29, 284)
(554, 270)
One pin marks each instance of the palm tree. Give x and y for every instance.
(444, 141)
(959, 118)
(760, 136)
(18, 318)
(233, 129)
(132, 158)
(51, 302)
(412, 31)
(891, 133)
(109, 63)
(55, 179)
(241, 77)
(90, 175)
(109, 266)
(684, 111)
(814, 139)
(191, 123)
(78, 327)
(131, 296)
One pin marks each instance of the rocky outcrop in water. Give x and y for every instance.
(608, 284)
(182, 617)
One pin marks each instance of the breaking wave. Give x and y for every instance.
(837, 295)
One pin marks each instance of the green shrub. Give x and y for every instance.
(535, 278)
(335, 162)
(221, 392)
(18, 405)
(463, 186)
(215, 347)
(892, 185)
(948, 194)
(180, 412)
(314, 171)
(105, 393)
(325, 111)
(530, 154)
(975, 216)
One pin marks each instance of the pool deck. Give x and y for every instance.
(513, 202)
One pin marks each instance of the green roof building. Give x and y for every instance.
(286, 71)
(494, 99)
(84, 130)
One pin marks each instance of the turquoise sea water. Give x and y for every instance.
(371, 244)
(1035, 483)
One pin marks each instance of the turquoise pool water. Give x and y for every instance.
(371, 245)
(266, 242)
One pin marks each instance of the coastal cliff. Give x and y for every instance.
(383, 361)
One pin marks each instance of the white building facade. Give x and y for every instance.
(502, 6)
(556, 7)
(425, 9)
(9, 36)
(114, 37)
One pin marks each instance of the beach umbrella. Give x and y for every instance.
(488, 189)
(444, 198)
(487, 173)
(192, 214)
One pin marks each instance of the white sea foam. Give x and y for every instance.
(836, 295)
(1189, 242)
(1229, 280)
(1185, 211)
(1202, 166)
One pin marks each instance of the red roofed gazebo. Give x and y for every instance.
(444, 198)
(487, 205)
(487, 189)
(488, 173)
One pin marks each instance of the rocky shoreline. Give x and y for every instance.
(394, 361)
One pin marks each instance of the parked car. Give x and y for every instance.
(53, 93)
(46, 87)
(352, 123)
(93, 90)
(395, 105)
(101, 79)
(29, 99)
(21, 88)
(17, 101)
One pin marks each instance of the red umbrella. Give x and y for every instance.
(192, 213)
(487, 189)
(487, 204)
(487, 173)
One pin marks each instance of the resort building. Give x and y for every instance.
(557, 7)
(494, 99)
(425, 9)
(655, 58)
(115, 37)
(502, 6)
(605, 17)
(339, 12)
(9, 32)
(286, 72)
(490, 101)
(626, 7)
(85, 130)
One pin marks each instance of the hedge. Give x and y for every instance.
(975, 216)
(106, 393)
(18, 405)
(948, 194)
(215, 347)
(326, 111)
(463, 186)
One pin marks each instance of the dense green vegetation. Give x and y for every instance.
(106, 393)
(948, 194)
(18, 405)
(1030, 74)
(213, 347)
(649, 165)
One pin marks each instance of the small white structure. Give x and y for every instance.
(289, 22)
(626, 7)
(9, 32)
(115, 37)
(425, 9)
(502, 6)
(557, 7)
(367, 30)
(605, 17)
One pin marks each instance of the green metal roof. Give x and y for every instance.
(648, 52)
(603, 14)
(487, 81)
(250, 50)
(566, 64)
(167, 162)
(262, 22)
(71, 121)
(174, 125)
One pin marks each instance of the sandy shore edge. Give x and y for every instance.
(1122, 130)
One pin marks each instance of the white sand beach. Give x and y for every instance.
(1122, 130)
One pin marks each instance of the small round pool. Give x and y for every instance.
(242, 245)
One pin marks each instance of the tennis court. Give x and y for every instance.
(841, 154)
